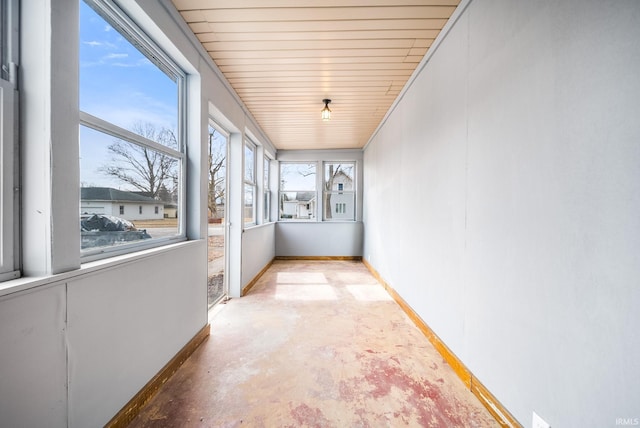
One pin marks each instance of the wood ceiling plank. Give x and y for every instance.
(292, 45)
(311, 80)
(343, 25)
(311, 53)
(257, 68)
(204, 28)
(356, 61)
(317, 35)
(193, 16)
(261, 4)
(387, 74)
(327, 13)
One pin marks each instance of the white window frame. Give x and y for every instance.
(314, 212)
(341, 206)
(266, 200)
(9, 233)
(250, 182)
(123, 24)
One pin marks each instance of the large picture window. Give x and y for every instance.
(8, 140)
(298, 196)
(339, 191)
(131, 143)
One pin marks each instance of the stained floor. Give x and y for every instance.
(314, 344)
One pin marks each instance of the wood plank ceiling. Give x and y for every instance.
(283, 57)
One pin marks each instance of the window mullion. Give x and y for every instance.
(114, 130)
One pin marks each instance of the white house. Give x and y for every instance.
(119, 203)
(302, 207)
(340, 201)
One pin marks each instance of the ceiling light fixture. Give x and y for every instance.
(326, 113)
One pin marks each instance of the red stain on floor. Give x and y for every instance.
(427, 399)
(309, 417)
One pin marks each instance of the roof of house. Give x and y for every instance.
(305, 196)
(110, 194)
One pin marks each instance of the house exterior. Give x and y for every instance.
(119, 203)
(340, 201)
(302, 207)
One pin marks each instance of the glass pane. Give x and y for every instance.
(266, 173)
(217, 175)
(298, 205)
(298, 176)
(267, 206)
(339, 176)
(249, 163)
(339, 206)
(249, 208)
(129, 193)
(121, 85)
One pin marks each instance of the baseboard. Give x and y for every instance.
(255, 279)
(322, 258)
(124, 417)
(488, 400)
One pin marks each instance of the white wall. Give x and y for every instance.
(520, 246)
(33, 363)
(78, 346)
(258, 250)
(125, 322)
(310, 239)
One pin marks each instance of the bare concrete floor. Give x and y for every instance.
(314, 344)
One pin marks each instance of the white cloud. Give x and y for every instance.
(116, 56)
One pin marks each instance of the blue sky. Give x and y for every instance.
(120, 85)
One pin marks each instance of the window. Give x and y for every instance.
(267, 191)
(249, 183)
(131, 142)
(298, 198)
(339, 195)
(156, 210)
(8, 140)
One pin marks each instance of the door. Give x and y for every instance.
(217, 281)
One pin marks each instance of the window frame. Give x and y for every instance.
(313, 212)
(249, 182)
(9, 196)
(326, 191)
(266, 190)
(128, 29)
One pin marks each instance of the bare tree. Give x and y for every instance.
(328, 186)
(143, 168)
(217, 156)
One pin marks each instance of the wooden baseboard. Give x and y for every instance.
(124, 417)
(322, 258)
(488, 400)
(255, 279)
